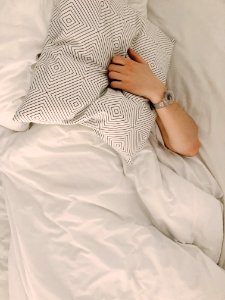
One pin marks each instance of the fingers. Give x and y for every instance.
(121, 69)
(115, 76)
(117, 85)
(135, 56)
(120, 60)
(117, 71)
(115, 68)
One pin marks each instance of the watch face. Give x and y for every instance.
(169, 96)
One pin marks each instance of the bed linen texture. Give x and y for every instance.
(84, 226)
(197, 77)
(4, 224)
(23, 29)
(4, 246)
(197, 72)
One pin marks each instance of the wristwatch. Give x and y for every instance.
(167, 100)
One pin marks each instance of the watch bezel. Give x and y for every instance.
(169, 96)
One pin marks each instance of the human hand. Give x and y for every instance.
(134, 75)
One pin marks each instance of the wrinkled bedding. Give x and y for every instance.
(85, 225)
(198, 70)
(4, 246)
(4, 225)
(61, 182)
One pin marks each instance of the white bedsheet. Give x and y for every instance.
(4, 226)
(81, 222)
(4, 247)
(197, 78)
(198, 70)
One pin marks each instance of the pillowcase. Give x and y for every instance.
(23, 30)
(140, 5)
(24, 24)
(70, 83)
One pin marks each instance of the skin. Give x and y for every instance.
(133, 74)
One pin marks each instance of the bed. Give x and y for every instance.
(76, 221)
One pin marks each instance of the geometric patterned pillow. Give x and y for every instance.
(70, 83)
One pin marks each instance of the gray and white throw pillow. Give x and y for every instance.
(70, 83)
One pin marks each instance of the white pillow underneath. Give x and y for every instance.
(23, 29)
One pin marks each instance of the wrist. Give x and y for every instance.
(168, 99)
(158, 95)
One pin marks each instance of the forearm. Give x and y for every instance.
(178, 129)
(134, 75)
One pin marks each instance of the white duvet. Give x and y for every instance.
(4, 225)
(86, 226)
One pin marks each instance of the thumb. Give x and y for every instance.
(135, 56)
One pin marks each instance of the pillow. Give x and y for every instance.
(23, 29)
(24, 24)
(140, 5)
(70, 83)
